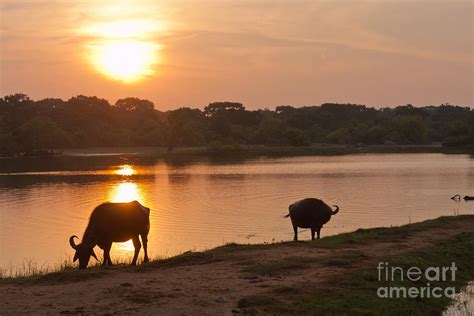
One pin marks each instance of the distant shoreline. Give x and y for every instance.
(253, 150)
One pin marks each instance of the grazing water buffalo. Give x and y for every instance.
(113, 222)
(310, 213)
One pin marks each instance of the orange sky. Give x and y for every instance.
(261, 53)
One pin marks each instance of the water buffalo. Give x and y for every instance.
(310, 213)
(113, 222)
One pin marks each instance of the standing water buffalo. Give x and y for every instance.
(113, 222)
(310, 213)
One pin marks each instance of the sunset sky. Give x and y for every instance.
(260, 53)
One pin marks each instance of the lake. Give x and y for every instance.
(202, 203)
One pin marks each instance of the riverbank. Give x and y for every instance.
(252, 150)
(333, 275)
(255, 150)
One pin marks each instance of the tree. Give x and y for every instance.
(217, 107)
(16, 98)
(85, 121)
(134, 105)
(186, 127)
(41, 133)
(271, 131)
(296, 137)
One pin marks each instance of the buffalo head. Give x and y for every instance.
(83, 252)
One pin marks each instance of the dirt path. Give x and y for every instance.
(212, 286)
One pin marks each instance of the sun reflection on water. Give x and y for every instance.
(124, 247)
(125, 170)
(125, 192)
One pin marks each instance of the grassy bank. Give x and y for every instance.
(29, 271)
(355, 293)
(334, 275)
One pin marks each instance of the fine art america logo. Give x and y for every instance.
(425, 277)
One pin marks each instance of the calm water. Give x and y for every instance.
(201, 204)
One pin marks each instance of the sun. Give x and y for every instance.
(123, 50)
(124, 60)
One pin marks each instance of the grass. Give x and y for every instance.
(382, 234)
(355, 293)
(288, 265)
(66, 272)
(285, 290)
(30, 269)
(284, 266)
(255, 300)
(29, 272)
(360, 236)
(344, 259)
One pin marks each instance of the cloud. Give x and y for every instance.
(255, 40)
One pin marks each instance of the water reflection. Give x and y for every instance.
(125, 170)
(125, 192)
(124, 249)
(179, 178)
(205, 204)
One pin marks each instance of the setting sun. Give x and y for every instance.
(123, 50)
(126, 61)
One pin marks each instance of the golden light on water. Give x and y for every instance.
(125, 170)
(126, 192)
(123, 49)
(125, 246)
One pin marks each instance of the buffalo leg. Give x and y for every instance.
(295, 228)
(107, 260)
(137, 245)
(145, 244)
(312, 233)
(319, 232)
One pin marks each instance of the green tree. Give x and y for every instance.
(41, 133)
(134, 105)
(296, 137)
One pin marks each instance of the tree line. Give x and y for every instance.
(28, 126)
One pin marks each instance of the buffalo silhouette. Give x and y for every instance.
(113, 222)
(310, 213)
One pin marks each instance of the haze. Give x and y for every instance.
(260, 53)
